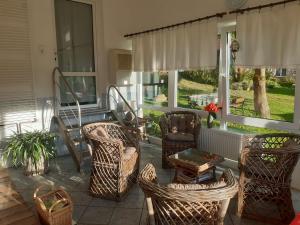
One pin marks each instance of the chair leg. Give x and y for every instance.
(285, 207)
(240, 206)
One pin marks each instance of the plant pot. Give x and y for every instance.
(210, 119)
(40, 168)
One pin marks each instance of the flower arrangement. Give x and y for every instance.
(212, 109)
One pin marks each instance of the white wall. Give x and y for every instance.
(114, 18)
(128, 16)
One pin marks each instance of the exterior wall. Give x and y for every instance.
(43, 44)
(128, 16)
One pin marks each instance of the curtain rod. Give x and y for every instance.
(220, 15)
(262, 6)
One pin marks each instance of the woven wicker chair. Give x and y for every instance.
(187, 204)
(266, 165)
(179, 131)
(115, 160)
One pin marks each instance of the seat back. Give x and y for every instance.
(106, 130)
(182, 121)
(187, 204)
(271, 157)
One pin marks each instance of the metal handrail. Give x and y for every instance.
(125, 101)
(75, 98)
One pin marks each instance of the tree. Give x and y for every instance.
(261, 105)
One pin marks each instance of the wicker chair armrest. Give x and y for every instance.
(147, 175)
(163, 123)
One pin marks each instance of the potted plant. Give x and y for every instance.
(212, 110)
(31, 150)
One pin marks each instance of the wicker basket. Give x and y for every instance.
(54, 207)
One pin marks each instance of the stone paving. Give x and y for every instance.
(95, 211)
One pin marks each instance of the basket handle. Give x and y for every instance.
(36, 191)
(67, 196)
(56, 203)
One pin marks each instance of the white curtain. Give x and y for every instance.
(269, 38)
(191, 46)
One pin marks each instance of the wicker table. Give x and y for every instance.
(193, 166)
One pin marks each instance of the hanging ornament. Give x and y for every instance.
(234, 47)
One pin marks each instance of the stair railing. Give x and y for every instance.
(57, 73)
(109, 95)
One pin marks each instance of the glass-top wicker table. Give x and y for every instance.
(195, 166)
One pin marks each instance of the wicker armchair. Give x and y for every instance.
(115, 160)
(266, 166)
(180, 131)
(188, 204)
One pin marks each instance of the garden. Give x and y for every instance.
(279, 95)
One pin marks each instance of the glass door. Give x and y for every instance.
(75, 50)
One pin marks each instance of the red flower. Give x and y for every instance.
(211, 107)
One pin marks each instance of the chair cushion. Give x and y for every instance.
(99, 132)
(128, 152)
(130, 164)
(182, 123)
(189, 124)
(194, 187)
(180, 136)
(129, 116)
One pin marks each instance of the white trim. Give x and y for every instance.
(263, 123)
(96, 61)
(297, 99)
(172, 92)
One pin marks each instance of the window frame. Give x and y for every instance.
(224, 94)
(68, 74)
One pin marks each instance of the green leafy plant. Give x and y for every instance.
(30, 146)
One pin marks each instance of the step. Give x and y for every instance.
(84, 112)
(85, 155)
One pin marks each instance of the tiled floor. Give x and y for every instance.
(94, 211)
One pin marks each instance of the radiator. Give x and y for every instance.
(225, 143)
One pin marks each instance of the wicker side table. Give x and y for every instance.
(193, 165)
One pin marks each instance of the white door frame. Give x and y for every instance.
(96, 64)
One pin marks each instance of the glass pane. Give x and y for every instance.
(74, 34)
(152, 127)
(155, 88)
(83, 86)
(196, 89)
(267, 93)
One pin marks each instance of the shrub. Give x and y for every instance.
(287, 81)
(235, 86)
(272, 84)
(202, 76)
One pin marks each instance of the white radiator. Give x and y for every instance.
(225, 143)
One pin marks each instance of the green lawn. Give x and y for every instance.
(281, 99)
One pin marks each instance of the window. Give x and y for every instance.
(74, 35)
(198, 88)
(152, 127)
(155, 88)
(267, 93)
(83, 86)
(75, 50)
